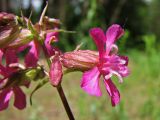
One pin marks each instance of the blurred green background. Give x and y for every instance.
(140, 92)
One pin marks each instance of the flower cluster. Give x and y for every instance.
(19, 35)
(13, 74)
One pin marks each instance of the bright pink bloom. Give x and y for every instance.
(109, 64)
(32, 56)
(50, 38)
(6, 93)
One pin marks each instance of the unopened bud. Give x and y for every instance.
(6, 18)
(35, 73)
(80, 60)
(55, 73)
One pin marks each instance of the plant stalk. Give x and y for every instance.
(65, 102)
(60, 89)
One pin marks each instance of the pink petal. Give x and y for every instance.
(125, 59)
(121, 63)
(5, 96)
(112, 91)
(11, 56)
(1, 55)
(90, 82)
(22, 48)
(20, 98)
(113, 33)
(49, 47)
(99, 38)
(4, 71)
(52, 37)
(33, 55)
(124, 71)
(55, 72)
(117, 64)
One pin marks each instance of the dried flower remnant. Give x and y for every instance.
(24, 37)
(50, 23)
(109, 64)
(9, 29)
(6, 18)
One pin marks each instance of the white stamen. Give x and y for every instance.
(18, 65)
(118, 75)
(122, 61)
(108, 76)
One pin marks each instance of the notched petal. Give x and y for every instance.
(20, 98)
(90, 82)
(113, 33)
(33, 55)
(99, 38)
(112, 91)
(5, 96)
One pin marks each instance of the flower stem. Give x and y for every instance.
(65, 103)
(60, 89)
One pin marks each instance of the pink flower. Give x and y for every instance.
(32, 56)
(109, 64)
(13, 88)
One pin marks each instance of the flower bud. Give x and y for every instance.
(6, 18)
(55, 73)
(9, 29)
(35, 73)
(80, 60)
